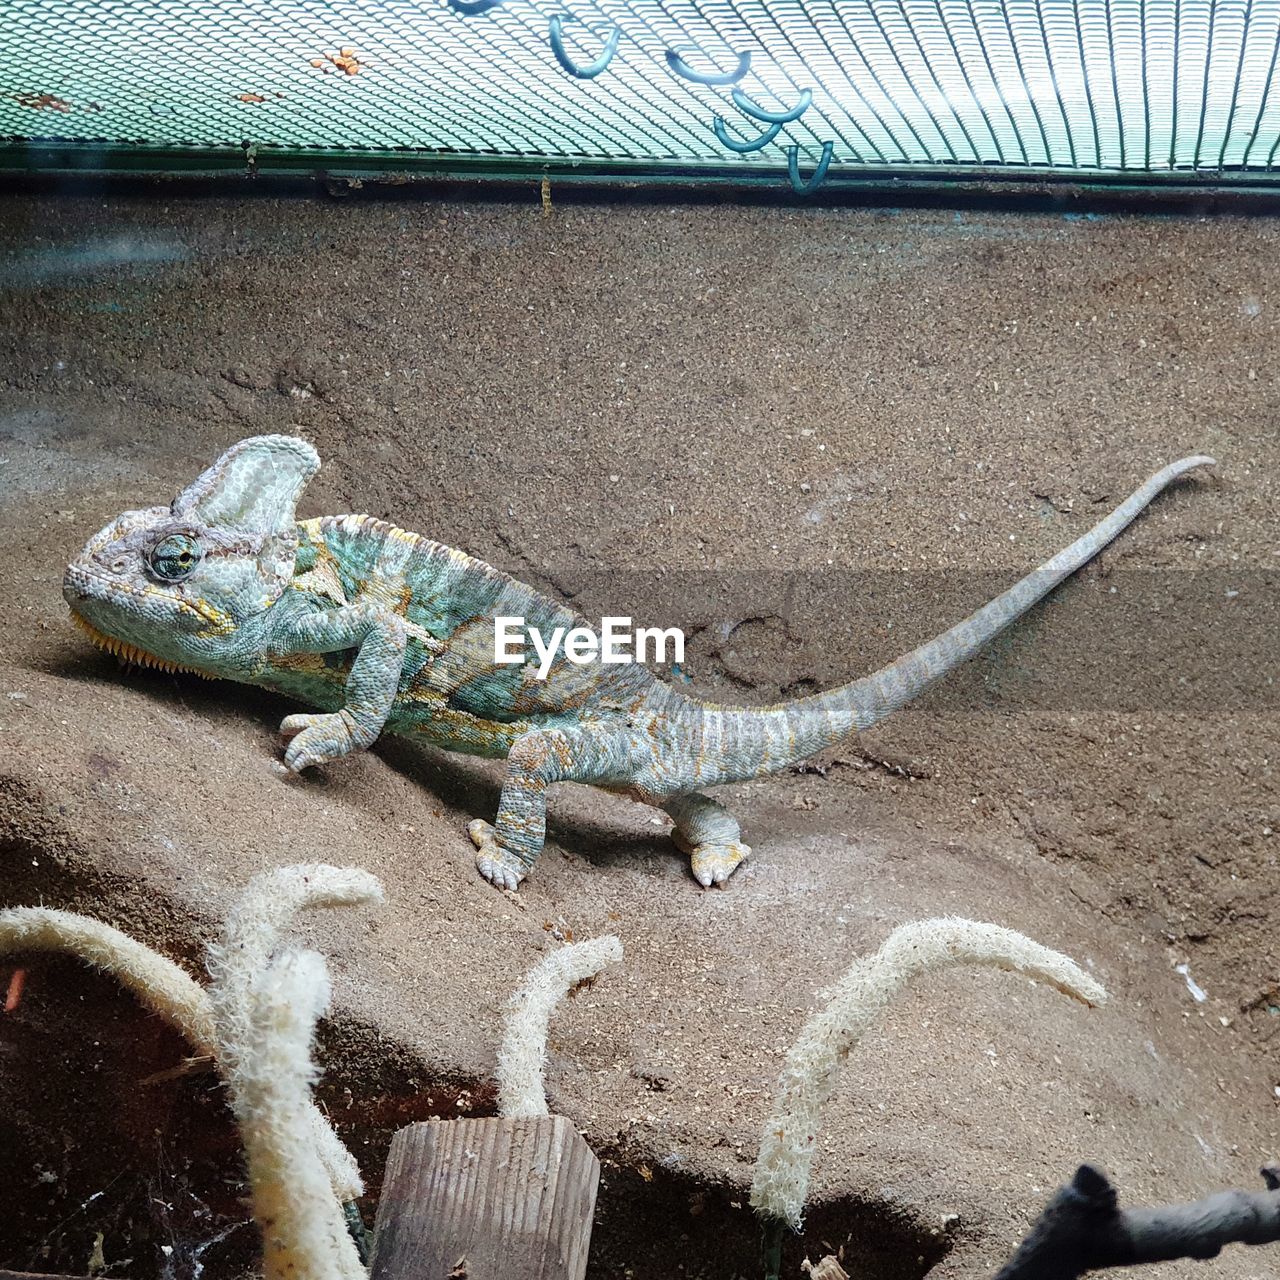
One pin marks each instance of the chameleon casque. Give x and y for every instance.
(386, 631)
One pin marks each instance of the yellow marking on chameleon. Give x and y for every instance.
(377, 589)
(131, 653)
(424, 638)
(220, 622)
(463, 722)
(403, 535)
(421, 691)
(308, 664)
(322, 580)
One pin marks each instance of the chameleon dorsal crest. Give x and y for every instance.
(253, 488)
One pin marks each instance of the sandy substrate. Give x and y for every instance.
(809, 438)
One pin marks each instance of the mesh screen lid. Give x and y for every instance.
(795, 90)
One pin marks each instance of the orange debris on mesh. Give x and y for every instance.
(42, 101)
(345, 59)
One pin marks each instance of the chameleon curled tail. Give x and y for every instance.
(745, 742)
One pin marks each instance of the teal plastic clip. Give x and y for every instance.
(472, 8)
(592, 69)
(800, 187)
(761, 140)
(756, 112)
(684, 70)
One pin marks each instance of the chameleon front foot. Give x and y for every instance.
(501, 869)
(712, 863)
(317, 739)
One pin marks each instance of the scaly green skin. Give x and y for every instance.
(385, 631)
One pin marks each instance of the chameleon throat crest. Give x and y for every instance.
(128, 652)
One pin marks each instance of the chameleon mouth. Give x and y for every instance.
(129, 652)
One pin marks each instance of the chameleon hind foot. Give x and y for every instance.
(712, 863)
(501, 869)
(709, 834)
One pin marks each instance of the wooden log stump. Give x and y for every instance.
(492, 1199)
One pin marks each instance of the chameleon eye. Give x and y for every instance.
(175, 557)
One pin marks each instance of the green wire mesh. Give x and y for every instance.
(1095, 86)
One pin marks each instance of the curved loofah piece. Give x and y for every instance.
(304, 1231)
(167, 991)
(250, 935)
(781, 1180)
(253, 928)
(158, 983)
(266, 1003)
(524, 1046)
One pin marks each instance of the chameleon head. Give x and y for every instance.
(172, 586)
